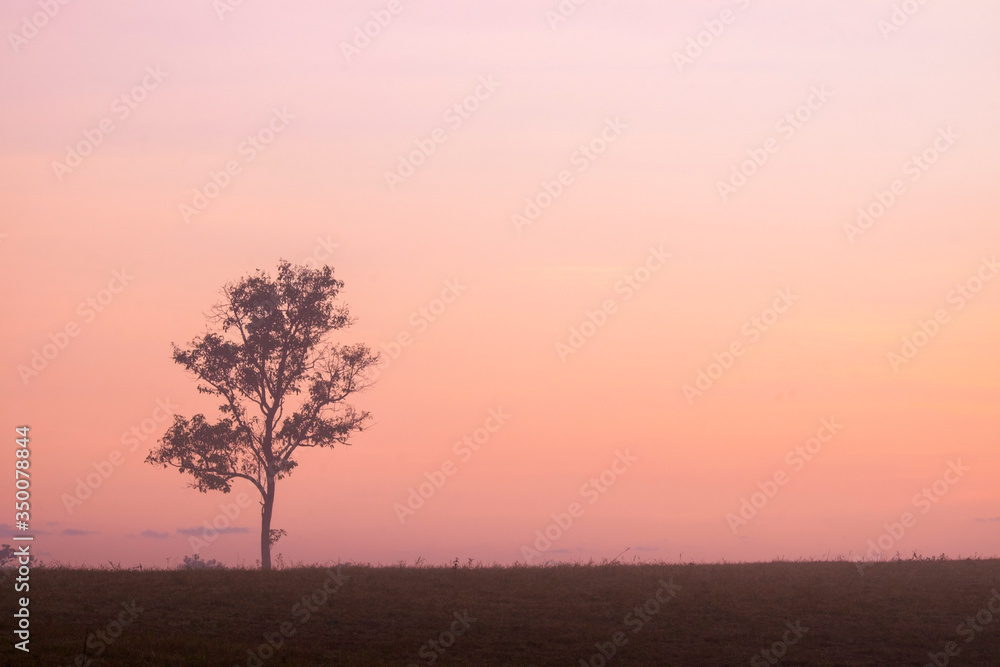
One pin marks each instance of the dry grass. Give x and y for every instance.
(723, 614)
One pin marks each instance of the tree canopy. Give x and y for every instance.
(282, 384)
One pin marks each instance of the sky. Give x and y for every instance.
(692, 281)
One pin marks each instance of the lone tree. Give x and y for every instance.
(265, 345)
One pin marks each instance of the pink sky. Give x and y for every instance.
(196, 86)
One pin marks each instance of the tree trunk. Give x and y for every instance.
(265, 526)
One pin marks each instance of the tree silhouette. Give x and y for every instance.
(266, 344)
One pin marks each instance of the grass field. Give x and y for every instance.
(809, 613)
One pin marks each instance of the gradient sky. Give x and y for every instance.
(319, 191)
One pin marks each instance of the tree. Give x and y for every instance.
(264, 354)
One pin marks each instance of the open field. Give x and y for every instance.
(812, 613)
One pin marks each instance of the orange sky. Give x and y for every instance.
(646, 219)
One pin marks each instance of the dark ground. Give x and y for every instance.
(812, 613)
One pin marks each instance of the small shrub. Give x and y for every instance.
(6, 555)
(196, 563)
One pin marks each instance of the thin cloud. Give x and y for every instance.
(154, 535)
(73, 532)
(200, 530)
(7, 531)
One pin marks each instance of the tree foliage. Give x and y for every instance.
(282, 385)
